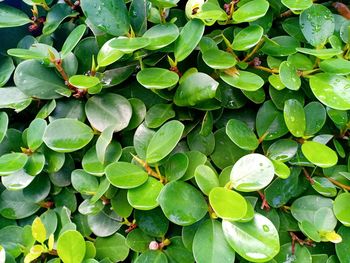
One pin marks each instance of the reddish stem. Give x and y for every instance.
(264, 204)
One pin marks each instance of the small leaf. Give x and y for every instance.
(206, 178)
(71, 247)
(319, 154)
(250, 11)
(108, 55)
(35, 133)
(113, 247)
(289, 76)
(241, 135)
(161, 35)
(129, 45)
(245, 170)
(12, 162)
(102, 143)
(164, 141)
(227, 204)
(83, 81)
(157, 78)
(4, 121)
(247, 38)
(218, 59)
(72, 40)
(173, 200)
(297, 6)
(38, 230)
(294, 116)
(243, 80)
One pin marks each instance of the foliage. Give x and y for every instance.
(174, 131)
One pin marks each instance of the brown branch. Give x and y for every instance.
(342, 9)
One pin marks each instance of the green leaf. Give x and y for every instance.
(270, 122)
(138, 241)
(102, 143)
(210, 245)
(14, 205)
(12, 162)
(125, 175)
(144, 197)
(83, 182)
(247, 38)
(188, 39)
(152, 222)
(31, 76)
(109, 16)
(17, 180)
(83, 81)
(297, 5)
(250, 11)
(315, 115)
(164, 141)
(337, 66)
(317, 24)
(113, 247)
(280, 46)
(157, 78)
(300, 255)
(6, 69)
(331, 90)
(173, 200)
(155, 256)
(108, 55)
(71, 247)
(256, 240)
(342, 248)
(227, 204)
(326, 53)
(4, 121)
(341, 207)
(243, 80)
(206, 178)
(244, 173)
(129, 45)
(67, 135)
(161, 35)
(282, 150)
(195, 89)
(35, 133)
(319, 154)
(176, 166)
(289, 75)
(12, 17)
(38, 230)
(57, 14)
(241, 135)
(158, 114)
(218, 59)
(108, 109)
(72, 40)
(294, 116)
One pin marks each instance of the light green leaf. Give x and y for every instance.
(247, 38)
(72, 40)
(12, 17)
(250, 11)
(241, 135)
(294, 116)
(71, 247)
(157, 78)
(319, 154)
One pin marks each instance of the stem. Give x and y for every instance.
(335, 182)
(262, 138)
(308, 177)
(149, 170)
(301, 242)
(264, 204)
(267, 69)
(162, 15)
(256, 48)
(69, 2)
(308, 72)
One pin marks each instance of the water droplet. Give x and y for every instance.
(266, 228)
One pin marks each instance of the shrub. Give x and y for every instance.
(162, 131)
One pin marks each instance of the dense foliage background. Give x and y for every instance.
(174, 131)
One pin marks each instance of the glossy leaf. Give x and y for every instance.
(252, 172)
(157, 78)
(294, 116)
(256, 240)
(109, 16)
(251, 11)
(72, 40)
(67, 135)
(188, 39)
(173, 200)
(71, 247)
(12, 17)
(218, 59)
(247, 38)
(241, 135)
(12, 162)
(161, 35)
(243, 80)
(164, 141)
(341, 208)
(319, 154)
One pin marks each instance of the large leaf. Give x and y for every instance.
(56, 15)
(12, 17)
(210, 245)
(67, 135)
(107, 110)
(294, 116)
(110, 16)
(256, 240)
(173, 200)
(113, 247)
(36, 80)
(164, 141)
(332, 90)
(189, 38)
(157, 78)
(317, 24)
(319, 154)
(161, 35)
(251, 11)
